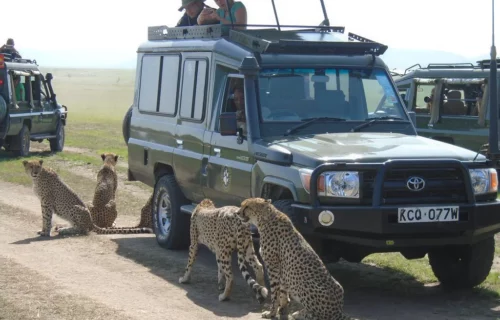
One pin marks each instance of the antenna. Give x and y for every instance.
(493, 136)
(325, 22)
(276, 15)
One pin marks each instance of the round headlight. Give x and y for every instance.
(344, 184)
(480, 180)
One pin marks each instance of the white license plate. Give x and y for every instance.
(427, 214)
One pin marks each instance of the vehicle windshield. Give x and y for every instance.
(296, 95)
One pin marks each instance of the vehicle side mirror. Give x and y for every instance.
(49, 76)
(227, 124)
(413, 117)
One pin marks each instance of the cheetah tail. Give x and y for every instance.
(99, 230)
(260, 291)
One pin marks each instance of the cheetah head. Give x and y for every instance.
(33, 167)
(251, 209)
(110, 158)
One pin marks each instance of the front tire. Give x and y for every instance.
(463, 267)
(170, 224)
(57, 144)
(22, 142)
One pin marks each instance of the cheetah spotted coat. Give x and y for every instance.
(294, 269)
(223, 232)
(57, 197)
(103, 206)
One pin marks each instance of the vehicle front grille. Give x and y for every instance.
(442, 185)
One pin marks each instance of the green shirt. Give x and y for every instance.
(223, 14)
(19, 92)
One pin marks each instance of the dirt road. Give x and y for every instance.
(131, 277)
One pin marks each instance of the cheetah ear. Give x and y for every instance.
(25, 162)
(40, 161)
(116, 158)
(103, 156)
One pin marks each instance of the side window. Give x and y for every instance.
(159, 84)
(423, 91)
(150, 74)
(194, 89)
(20, 88)
(36, 87)
(234, 101)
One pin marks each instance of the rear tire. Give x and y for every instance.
(171, 226)
(463, 267)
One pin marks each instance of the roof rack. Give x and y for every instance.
(7, 57)
(464, 65)
(304, 39)
(485, 64)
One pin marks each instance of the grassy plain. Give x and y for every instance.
(97, 101)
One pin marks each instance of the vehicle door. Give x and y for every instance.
(190, 129)
(229, 168)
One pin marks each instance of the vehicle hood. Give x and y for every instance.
(313, 150)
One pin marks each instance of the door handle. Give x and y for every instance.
(217, 152)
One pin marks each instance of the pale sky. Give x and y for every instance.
(457, 26)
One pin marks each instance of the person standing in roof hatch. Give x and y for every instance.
(9, 49)
(193, 9)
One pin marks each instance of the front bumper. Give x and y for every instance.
(376, 225)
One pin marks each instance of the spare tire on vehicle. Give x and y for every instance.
(3, 109)
(126, 125)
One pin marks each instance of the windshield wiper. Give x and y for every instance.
(309, 121)
(370, 121)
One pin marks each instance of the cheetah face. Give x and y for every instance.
(110, 158)
(250, 209)
(33, 167)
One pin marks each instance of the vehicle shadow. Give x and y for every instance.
(202, 290)
(391, 294)
(370, 292)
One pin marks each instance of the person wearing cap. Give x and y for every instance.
(192, 9)
(9, 49)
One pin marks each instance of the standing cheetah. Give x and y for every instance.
(294, 269)
(57, 197)
(222, 232)
(103, 206)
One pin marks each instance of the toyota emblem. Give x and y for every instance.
(415, 184)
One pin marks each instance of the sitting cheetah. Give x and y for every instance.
(57, 197)
(293, 267)
(146, 219)
(222, 232)
(103, 207)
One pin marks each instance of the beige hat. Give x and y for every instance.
(186, 2)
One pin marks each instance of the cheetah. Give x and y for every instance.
(57, 197)
(146, 219)
(222, 232)
(294, 268)
(103, 206)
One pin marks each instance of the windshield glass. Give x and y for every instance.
(293, 95)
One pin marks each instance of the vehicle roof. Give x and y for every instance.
(270, 46)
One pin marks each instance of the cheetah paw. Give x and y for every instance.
(268, 315)
(43, 233)
(184, 280)
(223, 297)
